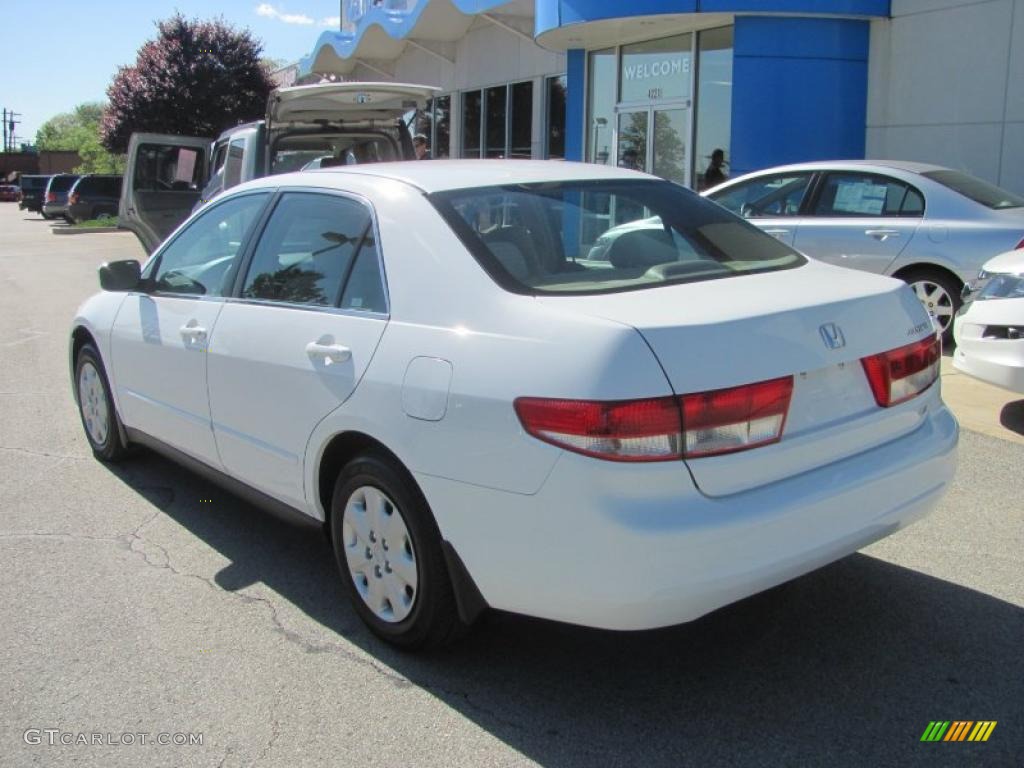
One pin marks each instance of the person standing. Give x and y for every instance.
(419, 145)
(715, 174)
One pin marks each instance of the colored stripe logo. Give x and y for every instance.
(958, 730)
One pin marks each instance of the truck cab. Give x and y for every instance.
(307, 126)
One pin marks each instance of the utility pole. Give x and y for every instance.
(9, 127)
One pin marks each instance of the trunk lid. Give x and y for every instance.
(724, 333)
(345, 103)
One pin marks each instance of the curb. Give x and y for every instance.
(83, 230)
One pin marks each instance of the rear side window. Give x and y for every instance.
(859, 194)
(775, 195)
(160, 168)
(110, 186)
(307, 249)
(975, 189)
(566, 238)
(199, 260)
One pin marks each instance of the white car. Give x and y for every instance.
(421, 357)
(989, 330)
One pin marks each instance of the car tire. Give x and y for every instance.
(400, 588)
(96, 406)
(939, 294)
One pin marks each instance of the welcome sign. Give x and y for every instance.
(655, 75)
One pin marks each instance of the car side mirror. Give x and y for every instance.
(120, 275)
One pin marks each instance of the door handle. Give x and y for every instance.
(882, 234)
(335, 353)
(777, 232)
(192, 332)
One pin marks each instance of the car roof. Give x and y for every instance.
(858, 165)
(440, 175)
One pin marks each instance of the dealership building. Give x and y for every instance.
(660, 84)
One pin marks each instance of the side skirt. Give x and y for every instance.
(257, 498)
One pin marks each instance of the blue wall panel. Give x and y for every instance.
(799, 91)
(575, 106)
(552, 14)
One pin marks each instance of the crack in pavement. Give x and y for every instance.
(30, 452)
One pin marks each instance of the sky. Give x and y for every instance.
(64, 52)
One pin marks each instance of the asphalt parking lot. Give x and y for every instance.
(140, 599)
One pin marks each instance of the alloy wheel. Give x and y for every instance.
(936, 301)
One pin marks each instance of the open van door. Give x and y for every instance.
(162, 182)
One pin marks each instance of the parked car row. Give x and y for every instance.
(71, 197)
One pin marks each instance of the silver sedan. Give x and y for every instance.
(930, 226)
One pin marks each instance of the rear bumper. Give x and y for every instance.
(55, 209)
(627, 547)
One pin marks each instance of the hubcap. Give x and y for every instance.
(93, 401)
(936, 300)
(379, 554)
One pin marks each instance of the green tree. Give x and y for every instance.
(195, 79)
(79, 131)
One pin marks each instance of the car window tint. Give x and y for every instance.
(199, 260)
(859, 194)
(364, 291)
(161, 168)
(233, 166)
(773, 195)
(306, 249)
(573, 237)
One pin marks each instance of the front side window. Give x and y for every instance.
(198, 261)
(233, 164)
(774, 195)
(532, 238)
(306, 251)
(858, 194)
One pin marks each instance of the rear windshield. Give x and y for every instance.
(61, 183)
(571, 238)
(977, 190)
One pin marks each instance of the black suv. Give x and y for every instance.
(33, 188)
(93, 197)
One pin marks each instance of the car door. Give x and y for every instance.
(162, 183)
(860, 220)
(309, 312)
(772, 201)
(160, 337)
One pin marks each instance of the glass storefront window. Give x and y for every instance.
(556, 117)
(472, 101)
(657, 70)
(601, 112)
(521, 120)
(714, 105)
(496, 102)
(442, 111)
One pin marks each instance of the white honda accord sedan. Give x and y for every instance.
(421, 358)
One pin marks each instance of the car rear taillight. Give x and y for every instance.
(620, 430)
(1019, 245)
(900, 374)
(735, 419)
(73, 198)
(662, 428)
(51, 197)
